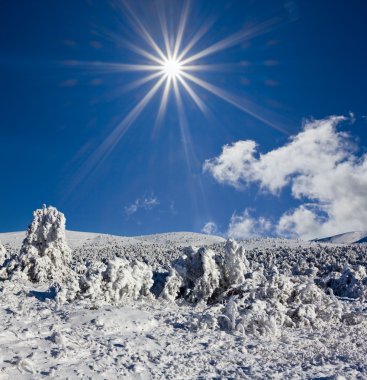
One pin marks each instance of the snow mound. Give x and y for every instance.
(45, 254)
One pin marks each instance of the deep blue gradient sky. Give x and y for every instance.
(54, 113)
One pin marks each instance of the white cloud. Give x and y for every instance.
(146, 203)
(321, 168)
(245, 226)
(210, 228)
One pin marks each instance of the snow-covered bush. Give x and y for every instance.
(350, 283)
(44, 254)
(126, 280)
(234, 264)
(195, 276)
(202, 275)
(268, 306)
(111, 283)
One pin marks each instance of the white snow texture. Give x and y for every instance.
(125, 307)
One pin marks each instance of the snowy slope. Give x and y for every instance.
(77, 239)
(346, 238)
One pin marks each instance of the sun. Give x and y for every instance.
(172, 68)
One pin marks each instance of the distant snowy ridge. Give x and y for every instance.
(346, 238)
(77, 239)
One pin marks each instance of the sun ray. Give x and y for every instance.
(115, 136)
(240, 103)
(109, 67)
(165, 33)
(181, 29)
(176, 67)
(195, 97)
(140, 27)
(195, 39)
(164, 101)
(230, 41)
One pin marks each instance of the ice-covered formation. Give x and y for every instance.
(202, 275)
(44, 255)
(111, 283)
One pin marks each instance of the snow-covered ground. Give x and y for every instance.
(148, 307)
(346, 238)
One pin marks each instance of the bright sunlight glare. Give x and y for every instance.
(172, 68)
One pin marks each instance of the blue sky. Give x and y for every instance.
(58, 107)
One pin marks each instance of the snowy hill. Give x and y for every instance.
(148, 307)
(346, 238)
(77, 239)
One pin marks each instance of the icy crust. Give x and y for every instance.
(44, 254)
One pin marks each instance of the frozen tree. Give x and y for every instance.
(234, 264)
(44, 254)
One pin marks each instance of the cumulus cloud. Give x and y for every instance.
(244, 226)
(145, 203)
(210, 228)
(320, 166)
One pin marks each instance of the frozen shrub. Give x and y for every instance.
(173, 285)
(282, 301)
(195, 276)
(234, 263)
(112, 283)
(124, 280)
(350, 283)
(231, 313)
(202, 275)
(44, 254)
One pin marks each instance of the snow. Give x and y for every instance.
(179, 305)
(346, 238)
